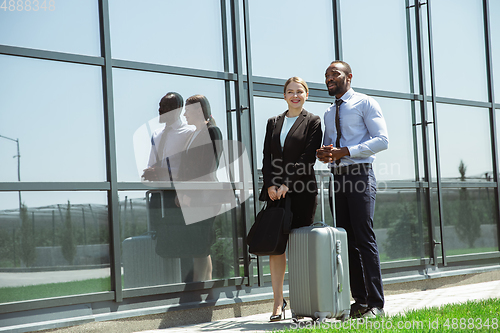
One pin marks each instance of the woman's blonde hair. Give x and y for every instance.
(298, 80)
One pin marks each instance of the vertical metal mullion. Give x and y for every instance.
(414, 128)
(111, 172)
(425, 136)
(229, 128)
(337, 30)
(436, 140)
(251, 123)
(412, 90)
(491, 97)
(237, 56)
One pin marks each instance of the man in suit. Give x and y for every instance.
(355, 130)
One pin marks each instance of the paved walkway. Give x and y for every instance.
(394, 304)
(19, 279)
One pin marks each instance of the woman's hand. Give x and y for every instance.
(272, 191)
(282, 191)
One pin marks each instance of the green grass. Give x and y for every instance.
(16, 294)
(472, 316)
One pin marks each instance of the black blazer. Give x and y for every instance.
(292, 165)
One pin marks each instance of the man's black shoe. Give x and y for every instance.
(374, 313)
(358, 310)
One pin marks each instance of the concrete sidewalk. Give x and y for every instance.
(394, 304)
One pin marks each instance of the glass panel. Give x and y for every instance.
(64, 26)
(56, 111)
(57, 244)
(495, 44)
(469, 220)
(282, 48)
(400, 226)
(458, 39)
(455, 149)
(163, 242)
(397, 162)
(373, 35)
(136, 100)
(159, 248)
(178, 33)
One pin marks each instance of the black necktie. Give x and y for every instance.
(337, 124)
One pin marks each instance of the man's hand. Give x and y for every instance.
(324, 154)
(155, 174)
(328, 154)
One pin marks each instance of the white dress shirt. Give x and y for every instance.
(287, 125)
(177, 135)
(363, 128)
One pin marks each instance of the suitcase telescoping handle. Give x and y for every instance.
(330, 197)
(340, 266)
(338, 258)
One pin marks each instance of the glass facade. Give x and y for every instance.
(80, 92)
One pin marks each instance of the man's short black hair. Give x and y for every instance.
(347, 68)
(171, 101)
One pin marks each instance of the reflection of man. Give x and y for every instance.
(354, 131)
(168, 142)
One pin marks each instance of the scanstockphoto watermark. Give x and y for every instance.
(368, 324)
(390, 324)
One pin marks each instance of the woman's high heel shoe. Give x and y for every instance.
(278, 317)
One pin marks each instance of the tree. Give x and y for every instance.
(68, 247)
(403, 239)
(28, 250)
(468, 225)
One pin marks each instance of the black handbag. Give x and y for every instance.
(269, 233)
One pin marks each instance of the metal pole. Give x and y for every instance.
(18, 165)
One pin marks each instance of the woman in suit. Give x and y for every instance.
(199, 162)
(288, 168)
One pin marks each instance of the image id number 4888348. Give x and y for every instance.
(28, 5)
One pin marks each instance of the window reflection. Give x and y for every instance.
(397, 162)
(399, 225)
(279, 44)
(168, 32)
(469, 221)
(373, 35)
(55, 244)
(136, 103)
(495, 44)
(182, 229)
(154, 231)
(55, 110)
(464, 22)
(457, 163)
(70, 27)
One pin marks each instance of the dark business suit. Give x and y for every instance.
(293, 164)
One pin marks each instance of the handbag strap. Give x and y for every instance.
(287, 226)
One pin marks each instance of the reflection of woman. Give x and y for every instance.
(289, 155)
(199, 162)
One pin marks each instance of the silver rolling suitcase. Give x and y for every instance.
(142, 267)
(318, 272)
